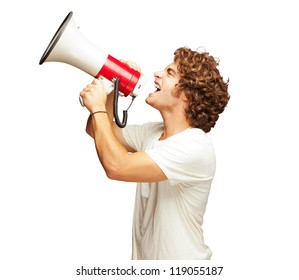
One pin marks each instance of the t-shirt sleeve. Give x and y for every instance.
(138, 136)
(188, 160)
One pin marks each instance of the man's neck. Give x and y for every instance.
(173, 124)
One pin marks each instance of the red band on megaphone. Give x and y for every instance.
(113, 68)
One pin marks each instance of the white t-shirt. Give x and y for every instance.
(168, 215)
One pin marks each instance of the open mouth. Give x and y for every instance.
(158, 88)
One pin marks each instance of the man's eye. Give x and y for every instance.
(169, 72)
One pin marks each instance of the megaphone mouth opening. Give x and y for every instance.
(56, 38)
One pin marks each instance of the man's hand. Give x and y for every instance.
(94, 96)
(131, 64)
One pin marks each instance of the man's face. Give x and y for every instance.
(165, 82)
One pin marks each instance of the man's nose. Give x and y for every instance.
(158, 74)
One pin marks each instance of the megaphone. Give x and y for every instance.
(69, 46)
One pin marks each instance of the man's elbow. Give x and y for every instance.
(114, 173)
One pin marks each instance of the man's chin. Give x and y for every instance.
(148, 101)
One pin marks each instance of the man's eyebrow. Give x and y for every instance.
(171, 71)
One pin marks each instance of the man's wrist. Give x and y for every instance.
(99, 108)
(98, 112)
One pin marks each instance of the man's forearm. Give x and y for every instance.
(110, 152)
(109, 106)
(109, 110)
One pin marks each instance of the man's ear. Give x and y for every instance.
(184, 97)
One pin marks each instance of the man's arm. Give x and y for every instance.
(112, 149)
(117, 162)
(116, 129)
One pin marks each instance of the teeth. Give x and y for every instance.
(157, 87)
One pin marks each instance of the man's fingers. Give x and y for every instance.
(96, 82)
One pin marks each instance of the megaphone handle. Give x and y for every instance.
(115, 107)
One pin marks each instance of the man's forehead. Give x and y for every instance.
(172, 66)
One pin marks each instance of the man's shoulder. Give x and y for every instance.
(148, 128)
(153, 125)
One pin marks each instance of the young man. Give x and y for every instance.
(173, 162)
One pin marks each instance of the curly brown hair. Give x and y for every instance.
(203, 85)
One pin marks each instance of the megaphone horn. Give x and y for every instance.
(69, 46)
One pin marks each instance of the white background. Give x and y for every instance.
(58, 210)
